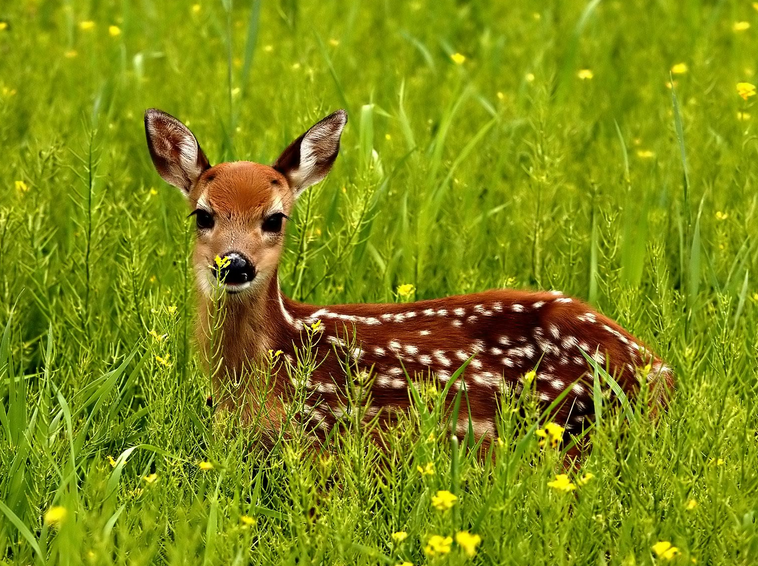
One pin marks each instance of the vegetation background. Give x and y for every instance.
(490, 144)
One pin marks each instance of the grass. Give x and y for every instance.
(503, 169)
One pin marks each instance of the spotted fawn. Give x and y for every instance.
(511, 339)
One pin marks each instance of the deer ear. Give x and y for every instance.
(174, 149)
(310, 157)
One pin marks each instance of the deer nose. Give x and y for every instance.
(234, 269)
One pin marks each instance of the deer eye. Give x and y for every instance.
(273, 223)
(203, 219)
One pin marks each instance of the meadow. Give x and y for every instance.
(603, 148)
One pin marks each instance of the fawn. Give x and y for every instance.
(508, 336)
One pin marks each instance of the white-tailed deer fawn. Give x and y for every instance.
(241, 210)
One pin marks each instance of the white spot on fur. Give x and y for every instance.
(538, 304)
(425, 332)
(504, 340)
(515, 307)
(495, 351)
(564, 300)
(429, 312)
(440, 356)
(411, 350)
(587, 317)
(472, 319)
(553, 329)
(497, 307)
(425, 359)
(442, 312)
(457, 323)
(379, 351)
(394, 345)
(459, 312)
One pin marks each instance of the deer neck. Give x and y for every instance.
(243, 329)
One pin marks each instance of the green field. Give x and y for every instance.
(534, 145)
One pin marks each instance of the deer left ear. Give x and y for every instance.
(309, 158)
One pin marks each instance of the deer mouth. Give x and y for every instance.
(235, 288)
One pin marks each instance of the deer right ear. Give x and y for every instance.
(174, 149)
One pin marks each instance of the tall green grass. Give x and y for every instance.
(504, 170)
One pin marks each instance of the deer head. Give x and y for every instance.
(240, 208)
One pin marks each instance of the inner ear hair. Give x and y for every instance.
(309, 158)
(175, 151)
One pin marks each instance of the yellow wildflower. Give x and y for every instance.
(562, 483)
(670, 85)
(444, 500)
(3, 26)
(405, 564)
(743, 116)
(553, 432)
(458, 58)
(334, 42)
(585, 74)
(247, 521)
(22, 187)
(205, 466)
(529, 77)
(691, 504)
(222, 262)
(438, 545)
(70, 54)
(741, 26)
(399, 536)
(405, 290)
(529, 377)
(755, 5)
(316, 325)
(746, 90)
(273, 354)
(55, 515)
(680, 68)
(426, 470)
(664, 549)
(150, 478)
(721, 215)
(171, 309)
(86, 25)
(468, 542)
(585, 479)
(158, 337)
(114, 31)
(645, 154)
(163, 360)
(196, 8)
(111, 461)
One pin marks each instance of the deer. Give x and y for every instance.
(507, 339)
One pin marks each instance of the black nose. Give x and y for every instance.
(234, 269)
